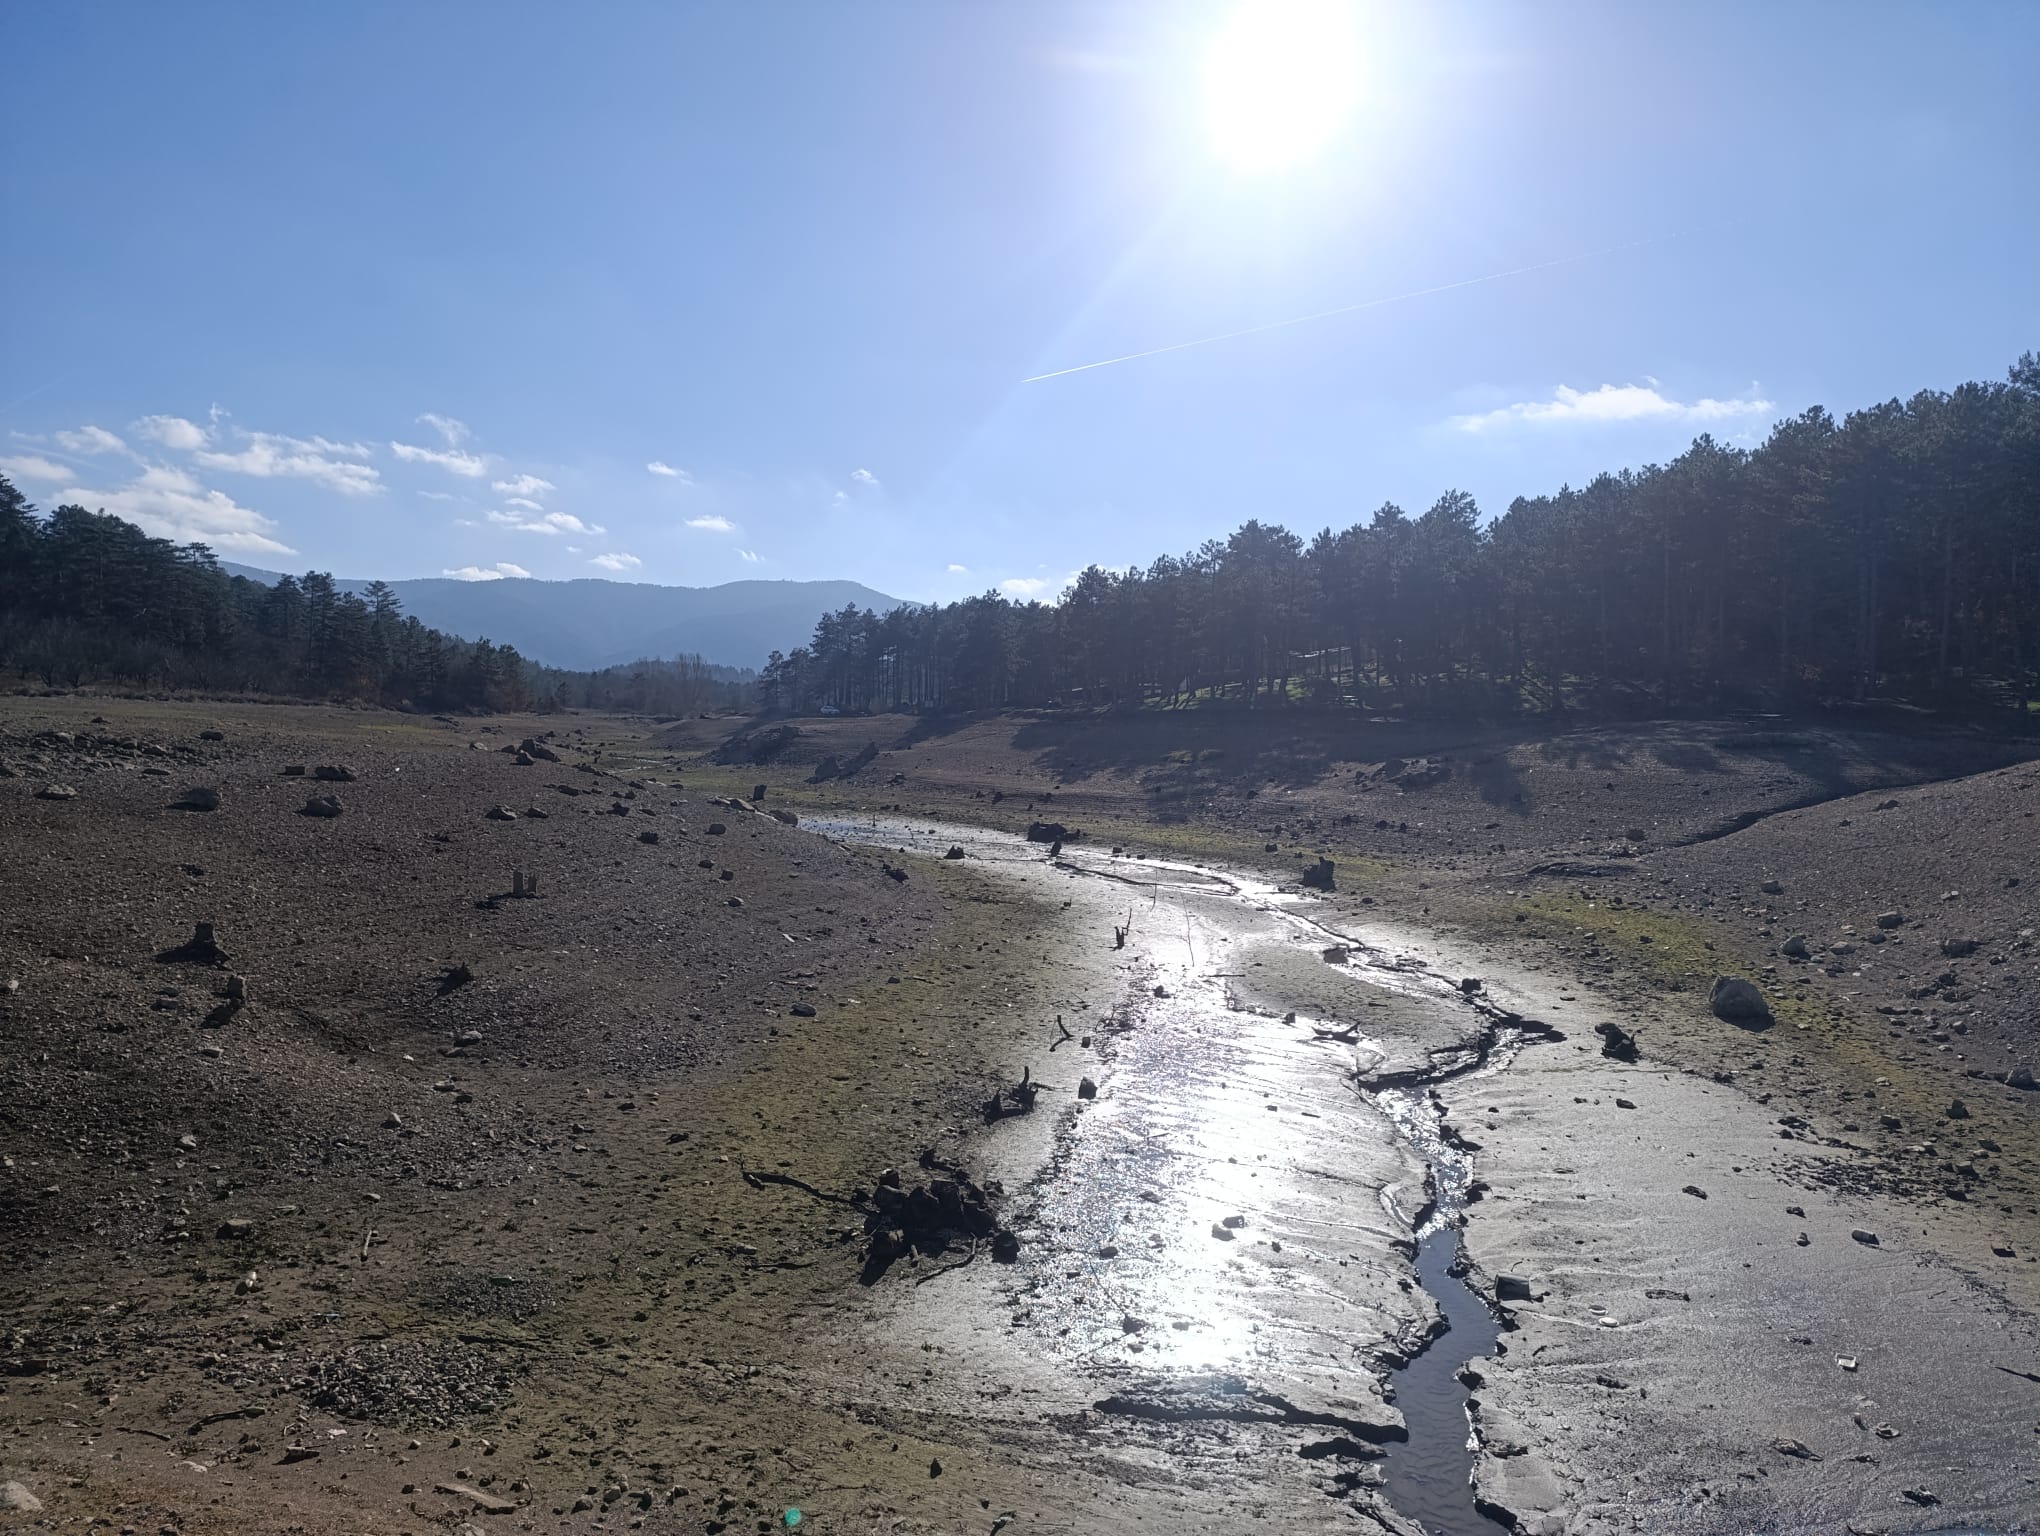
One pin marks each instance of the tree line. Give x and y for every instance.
(1892, 556)
(88, 598)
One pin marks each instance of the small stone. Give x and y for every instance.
(323, 806)
(17, 1500)
(56, 792)
(200, 797)
(1890, 920)
(188, 1142)
(1772, 888)
(394, 1122)
(1221, 1231)
(1086, 1089)
(1695, 1191)
(1512, 1288)
(802, 1010)
(334, 773)
(649, 838)
(236, 1228)
(1957, 1110)
(1864, 1236)
(1956, 948)
(1624, 1104)
(212, 735)
(935, 1466)
(1108, 1250)
(1797, 1449)
(1738, 1001)
(1796, 947)
(501, 813)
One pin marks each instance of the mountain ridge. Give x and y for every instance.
(588, 622)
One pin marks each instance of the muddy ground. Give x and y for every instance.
(550, 1269)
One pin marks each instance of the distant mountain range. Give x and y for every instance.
(590, 624)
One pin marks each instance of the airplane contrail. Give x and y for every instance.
(1346, 309)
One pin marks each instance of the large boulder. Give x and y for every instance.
(1739, 1002)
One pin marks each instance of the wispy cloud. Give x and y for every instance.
(866, 479)
(1026, 586)
(172, 432)
(33, 466)
(524, 503)
(710, 523)
(439, 496)
(466, 465)
(169, 503)
(499, 571)
(751, 557)
(271, 456)
(455, 432)
(661, 467)
(958, 570)
(91, 440)
(525, 485)
(1612, 403)
(617, 562)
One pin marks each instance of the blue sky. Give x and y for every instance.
(402, 290)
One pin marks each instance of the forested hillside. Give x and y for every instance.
(89, 598)
(1892, 555)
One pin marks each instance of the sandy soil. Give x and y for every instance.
(551, 1282)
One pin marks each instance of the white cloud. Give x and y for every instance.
(1612, 403)
(617, 562)
(33, 466)
(455, 432)
(866, 479)
(496, 572)
(91, 440)
(549, 523)
(465, 522)
(958, 570)
(270, 456)
(751, 557)
(840, 499)
(710, 523)
(167, 502)
(1026, 586)
(525, 485)
(172, 432)
(465, 464)
(523, 502)
(439, 496)
(661, 467)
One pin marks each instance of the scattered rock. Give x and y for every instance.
(212, 735)
(1796, 947)
(649, 838)
(1957, 1110)
(200, 798)
(236, 1228)
(1624, 1104)
(1956, 948)
(501, 813)
(1738, 1001)
(803, 1010)
(2022, 1078)
(1772, 888)
(487, 1503)
(1086, 1089)
(716, 829)
(1695, 1191)
(1797, 1449)
(1469, 985)
(1320, 876)
(15, 1499)
(334, 773)
(1512, 1288)
(294, 770)
(1890, 920)
(56, 792)
(1221, 1231)
(1862, 1235)
(1051, 832)
(323, 806)
(955, 852)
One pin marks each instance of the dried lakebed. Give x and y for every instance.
(1247, 1249)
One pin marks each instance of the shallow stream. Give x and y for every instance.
(1226, 1215)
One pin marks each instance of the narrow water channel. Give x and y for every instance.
(1209, 1105)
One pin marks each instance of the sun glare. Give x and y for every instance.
(1280, 79)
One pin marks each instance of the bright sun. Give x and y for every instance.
(1279, 80)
